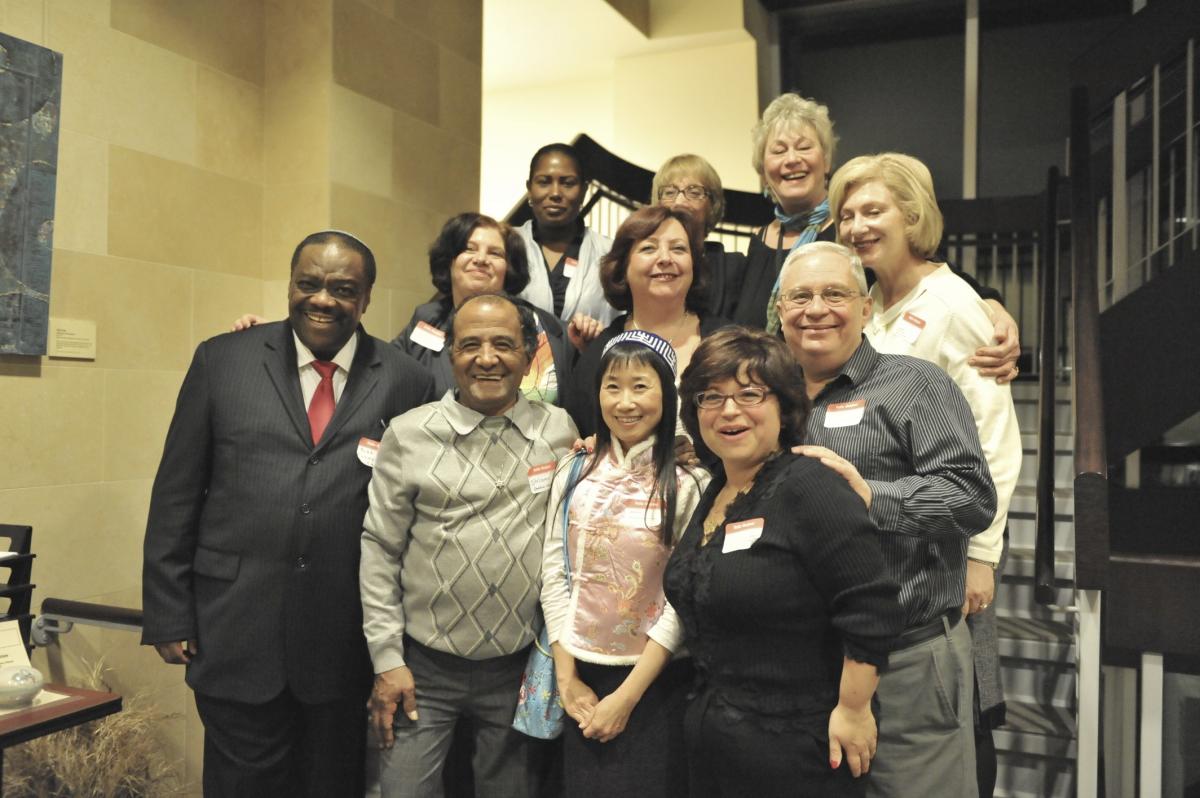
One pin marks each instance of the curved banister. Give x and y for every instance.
(1091, 467)
(1043, 553)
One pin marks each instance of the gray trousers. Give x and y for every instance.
(926, 724)
(449, 687)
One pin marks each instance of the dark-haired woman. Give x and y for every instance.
(474, 254)
(564, 255)
(656, 273)
(781, 588)
(611, 631)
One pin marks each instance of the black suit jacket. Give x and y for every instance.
(252, 543)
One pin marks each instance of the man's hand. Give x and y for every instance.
(394, 688)
(610, 717)
(578, 700)
(981, 587)
(840, 466)
(852, 738)
(1000, 360)
(582, 329)
(180, 653)
(685, 451)
(246, 322)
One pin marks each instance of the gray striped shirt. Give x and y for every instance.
(914, 441)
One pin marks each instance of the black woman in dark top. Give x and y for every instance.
(781, 588)
(472, 255)
(792, 151)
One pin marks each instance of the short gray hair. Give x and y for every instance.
(789, 111)
(856, 265)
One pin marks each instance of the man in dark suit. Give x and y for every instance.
(250, 574)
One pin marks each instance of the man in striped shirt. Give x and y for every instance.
(901, 433)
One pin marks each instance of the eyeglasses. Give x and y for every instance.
(692, 192)
(833, 297)
(746, 397)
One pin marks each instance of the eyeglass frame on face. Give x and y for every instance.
(687, 191)
(749, 392)
(839, 297)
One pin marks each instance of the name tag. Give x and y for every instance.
(428, 336)
(540, 477)
(368, 450)
(570, 266)
(742, 534)
(844, 414)
(643, 516)
(910, 327)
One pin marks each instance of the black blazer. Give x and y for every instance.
(252, 544)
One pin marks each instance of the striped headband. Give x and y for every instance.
(654, 343)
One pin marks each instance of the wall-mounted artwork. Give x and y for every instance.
(30, 91)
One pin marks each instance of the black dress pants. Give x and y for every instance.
(283, 747)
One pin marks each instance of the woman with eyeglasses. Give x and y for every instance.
(656, 273)
(792, 151)
(691, 183)
(781, 588)
(472, 255)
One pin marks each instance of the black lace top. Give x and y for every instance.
(768, 625)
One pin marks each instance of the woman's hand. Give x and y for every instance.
(578, 700)
(852, 738)
(246, 322)
(685, 451)
(582, 329)
(840, 466)
(588, 443)
(1000, 360)
(610, 717)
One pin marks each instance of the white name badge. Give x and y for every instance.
(428, 336)
(910, 327)
(570, 266)
(540, 477)
(647, 516)
(368, 450)
(742, 534)
(844, 414)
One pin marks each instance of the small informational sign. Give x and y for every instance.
(72, 338)
(12, 646)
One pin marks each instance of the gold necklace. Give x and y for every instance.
(678, 325)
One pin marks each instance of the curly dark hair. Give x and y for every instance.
(640, 225)
(738, 353)
(452, 242)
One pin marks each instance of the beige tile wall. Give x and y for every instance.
(200, 141)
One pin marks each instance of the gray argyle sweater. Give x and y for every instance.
(452, 542)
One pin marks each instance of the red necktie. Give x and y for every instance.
(320, 409)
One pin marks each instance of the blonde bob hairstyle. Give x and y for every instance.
(911, 186)
(788, 111)
(688, 165)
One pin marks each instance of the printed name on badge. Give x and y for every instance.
(368, 450)
(643, 516)
(540, 477)
(570, 266)
(742, 534)
(428, 336)
(844, 414)
(910, 327)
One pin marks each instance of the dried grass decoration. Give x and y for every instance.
(119, 756)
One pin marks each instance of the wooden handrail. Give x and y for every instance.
(1091, 467)
(1043, 552)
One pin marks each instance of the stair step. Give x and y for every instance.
(1036, 639)
(1033, 729)
(1020, 564)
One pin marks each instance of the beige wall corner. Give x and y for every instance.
(636, 11)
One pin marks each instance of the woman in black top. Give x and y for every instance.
(781, 589)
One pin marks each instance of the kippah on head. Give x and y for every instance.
(656, 344)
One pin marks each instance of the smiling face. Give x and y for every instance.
(872, 224)
(480, 268)
(631, 400)
(327, 295)
(795, 167)
(555, 191)
(820, 337)
(743, 437)
(488, 355)
(660, 266)
(698, 208)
